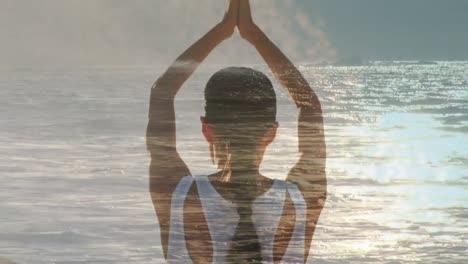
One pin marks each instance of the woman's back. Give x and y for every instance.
(277, 223)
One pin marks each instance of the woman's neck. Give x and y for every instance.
(238, 175)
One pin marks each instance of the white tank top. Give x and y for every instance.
(222, 219)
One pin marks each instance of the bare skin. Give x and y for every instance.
(167, 168)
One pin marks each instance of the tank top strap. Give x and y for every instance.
(177, 249)
(296, 247)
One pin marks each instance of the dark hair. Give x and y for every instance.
(240, 106)
(239, 95)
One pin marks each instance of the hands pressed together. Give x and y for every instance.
(239, 14)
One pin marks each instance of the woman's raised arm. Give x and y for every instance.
(309, 172)
(161, 130)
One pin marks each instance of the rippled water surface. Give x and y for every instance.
(73, 163)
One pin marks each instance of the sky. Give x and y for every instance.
(142, 32)
(395, 29)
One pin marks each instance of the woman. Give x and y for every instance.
(236, 215)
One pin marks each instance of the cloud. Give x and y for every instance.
(144, 31)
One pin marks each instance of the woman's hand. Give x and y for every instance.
(245, 22)
(229, 22)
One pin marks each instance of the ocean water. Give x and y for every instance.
(74, 167)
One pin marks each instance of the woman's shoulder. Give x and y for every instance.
(292, 189)
(184, 185)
